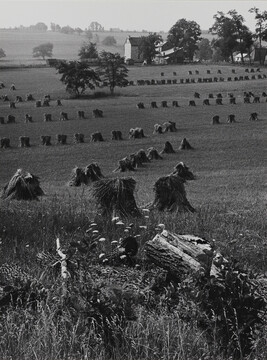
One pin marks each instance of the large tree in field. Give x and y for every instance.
(43, 50)
(77, 76)
(243, 34)
(147, 46)
(185, 34)
(261, 28)
(112, 70)
(224, 28)
(88, 51)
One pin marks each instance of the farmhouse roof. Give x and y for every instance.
(134, 41)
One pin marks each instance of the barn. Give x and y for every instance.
(167, 54)
(131, 49)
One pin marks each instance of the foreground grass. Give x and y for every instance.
(159, 332)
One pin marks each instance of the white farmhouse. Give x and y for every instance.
(131, 50)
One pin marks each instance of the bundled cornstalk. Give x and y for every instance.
(170, 194)
(22, 186)
(85, 176)
(183, 171)
(116, 196)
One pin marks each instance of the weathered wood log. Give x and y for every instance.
(180, 253)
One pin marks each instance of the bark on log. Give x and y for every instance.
(181, 253)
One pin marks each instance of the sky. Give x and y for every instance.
(151, 15)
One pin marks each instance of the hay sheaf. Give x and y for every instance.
(170, 194)
(22, 186)
(85, 176)
(116, 196)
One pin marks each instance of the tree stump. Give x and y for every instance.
(179, 254)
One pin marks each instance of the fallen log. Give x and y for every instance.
(181, 253)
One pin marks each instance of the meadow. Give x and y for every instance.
(229, 195)
(228, 159)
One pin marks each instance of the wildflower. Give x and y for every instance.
(126, 230)
(95, 231)
(102, 239)
(122, 257)
(115, 218)
(119, 223)
(143, 227)
(114, 242)
(101, 256)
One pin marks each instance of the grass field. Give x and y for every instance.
(229, 195)
(228, 158)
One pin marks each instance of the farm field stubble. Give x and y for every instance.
(228, 194)
(228, 159)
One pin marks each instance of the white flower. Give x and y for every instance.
(93, 224)
(115, 218)
(146, 217)
(119, 223)
(145, 210)
(102, 239)
(122, 257)
(126, 230)
(95, 231)
(114, 242)
(143, 227)
(101, 256)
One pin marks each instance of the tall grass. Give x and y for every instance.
(52, 332)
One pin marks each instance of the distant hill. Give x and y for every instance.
(18, 45)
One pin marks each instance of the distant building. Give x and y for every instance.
(256, 56)
(115, 30)
(167, 54)
(238, 58)
(131, 49)
(259, 55)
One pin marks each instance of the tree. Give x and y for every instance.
(43, 50)
(185, 34)
(88, 51)
(225, 29)
(204, 51)
(112, 69)
(40, 26)
(67, 30)
(95, 26)
(109, 41)
(261, 28)
(77, 76)
(244, 36)
(147, 46)
(2, 53)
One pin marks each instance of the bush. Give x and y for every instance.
(109, 41)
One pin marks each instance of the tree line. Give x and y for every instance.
(232, 35)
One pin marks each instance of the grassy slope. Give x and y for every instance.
(227, 158)
(18, 45)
